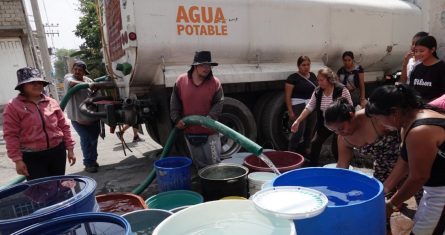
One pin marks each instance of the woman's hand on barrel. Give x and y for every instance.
(21, 168)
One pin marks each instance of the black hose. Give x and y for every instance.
(88, 102)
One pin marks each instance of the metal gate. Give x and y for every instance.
(12, 57)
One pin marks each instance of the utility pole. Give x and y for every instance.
(43, 46)
(50, 30)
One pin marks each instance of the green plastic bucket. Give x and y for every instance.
(173, 199)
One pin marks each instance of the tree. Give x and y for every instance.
(60, 65)
(88, 29)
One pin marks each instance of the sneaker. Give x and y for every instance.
(119, 135)
(91, 169)
(137, 139)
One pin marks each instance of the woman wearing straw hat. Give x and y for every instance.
(36, 133)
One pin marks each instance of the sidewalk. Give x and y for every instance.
(117, 172)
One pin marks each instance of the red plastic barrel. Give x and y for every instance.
(283, 160)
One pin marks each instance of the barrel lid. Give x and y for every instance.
(290, 202)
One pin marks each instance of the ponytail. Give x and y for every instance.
(339, 111)
(386, 99)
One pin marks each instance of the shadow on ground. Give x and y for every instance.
(126, 175)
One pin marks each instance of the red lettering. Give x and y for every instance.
(181, 15)
(200, 20)
(194, 17)
(207, 17)
(203, 30)
(188, 29)
(219, 16)
(196, 29)
(180, 28)
(224, 30)
(211, 30)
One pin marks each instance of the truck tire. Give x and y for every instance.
(258, 112)
(237, 116)
(274, 123)
(153, 132)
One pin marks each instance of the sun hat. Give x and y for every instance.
(29, 74)
(82, 64)
(203, 57)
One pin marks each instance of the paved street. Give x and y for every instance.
(117, 172)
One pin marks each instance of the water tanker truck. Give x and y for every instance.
(148, 43)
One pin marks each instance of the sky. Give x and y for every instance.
(63, 13)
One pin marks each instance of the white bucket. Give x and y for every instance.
(334, 165)
(257, 179)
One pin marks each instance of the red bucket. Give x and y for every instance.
(283, 160)
(120, 203)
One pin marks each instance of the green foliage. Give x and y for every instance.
(60, 65)
(88, 29)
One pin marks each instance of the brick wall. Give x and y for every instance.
(12, 14)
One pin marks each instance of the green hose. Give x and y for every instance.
(102, 79)
(248, 144)
(71, 92)
(151, 176)
(76, 88)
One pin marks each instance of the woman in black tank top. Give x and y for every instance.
(422, 129)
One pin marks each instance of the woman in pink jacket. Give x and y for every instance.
(36, 132)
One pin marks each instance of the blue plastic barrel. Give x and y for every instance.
(356, 201)
(39, 200)
(82, 223)
(173, 173)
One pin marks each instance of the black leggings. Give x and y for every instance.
(45, 163)
(320, 137)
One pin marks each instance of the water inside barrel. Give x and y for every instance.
(39, 197)
(120, 205)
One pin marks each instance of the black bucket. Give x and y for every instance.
(222, 180)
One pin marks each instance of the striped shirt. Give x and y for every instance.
(326, 100)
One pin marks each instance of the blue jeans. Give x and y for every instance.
(89, 134)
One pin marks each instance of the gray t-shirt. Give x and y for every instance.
(72, 107)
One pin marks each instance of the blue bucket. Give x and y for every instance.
(355, 201)
(43, 199)
(173, 173)
(82, 223)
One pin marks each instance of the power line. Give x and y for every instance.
(44, 9)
